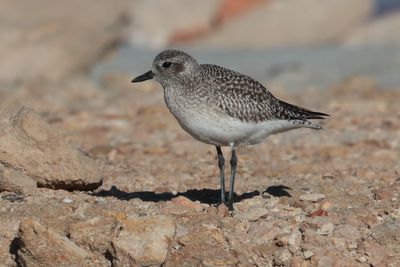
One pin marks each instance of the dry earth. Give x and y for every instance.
(102, 175)
(304, 198)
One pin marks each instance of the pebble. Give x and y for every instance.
(308, 254)
(253, 214)
(282, 256)
(326, 229)
(312, 197)
(67, 200)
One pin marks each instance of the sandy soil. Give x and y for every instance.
(304, 198)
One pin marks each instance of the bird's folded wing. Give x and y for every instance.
(242, 97)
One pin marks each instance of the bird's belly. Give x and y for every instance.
(224, 130)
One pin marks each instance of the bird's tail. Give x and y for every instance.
(293, 112)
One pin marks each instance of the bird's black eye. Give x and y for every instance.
(166, 64)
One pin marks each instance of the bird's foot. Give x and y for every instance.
(229, 205)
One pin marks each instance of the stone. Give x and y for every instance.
(269, 234)
(383, 194)
(95, 234)
(252, 214)
(43, 246)
(182, 205)
(331, 257)
(378, 255)
(308, 254)
(282, 256)
(294, 241)
(349, 233)
(8, 241)
(313, 241)
(297, 261)
(222, 211)
(326, 229)
(31, 147)
(15, 181)
(282, 239)
(143, 241)
(312, 197)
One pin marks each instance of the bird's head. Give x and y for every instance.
(169, 66)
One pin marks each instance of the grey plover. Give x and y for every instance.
(222, 107)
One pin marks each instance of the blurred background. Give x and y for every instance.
(288, 43)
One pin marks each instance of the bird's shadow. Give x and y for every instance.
(278, 191)
(206, 196)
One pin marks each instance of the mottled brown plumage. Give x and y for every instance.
(244, 98)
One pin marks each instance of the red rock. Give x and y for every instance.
(182, 205)
(319, 212)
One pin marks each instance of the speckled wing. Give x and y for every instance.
(242, 97)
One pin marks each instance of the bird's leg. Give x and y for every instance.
(232, 177)
(221, 165)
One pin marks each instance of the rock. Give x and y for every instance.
(8, 241)
(282, 239)
(312, 197)
(95, 234)
(15, 181)
(31, 147)
(143, 241)
(182, 205)
(308, 254)
(331, 257)
(290, 240)
(222, 211)
(43, 246)
(206, 243)
(388, 235)
(297, 261)
(13, 197)
(378, 255)
(254, 202)
(383, 194)
(269, 234)
(282, 257)
(326, 229)
(316, 222)
(349, 233)
(313, 241)
(252, 214)
(294, 241)
(319, 212)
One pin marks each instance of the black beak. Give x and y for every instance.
(144, 77)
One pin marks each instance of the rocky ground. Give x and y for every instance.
(304, 198)
(98, 173)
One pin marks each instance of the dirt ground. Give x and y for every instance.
(303, 198)
(99, 173)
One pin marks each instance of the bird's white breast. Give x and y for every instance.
(209, 124)
(216, 128)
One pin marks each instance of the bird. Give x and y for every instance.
(222, 107)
